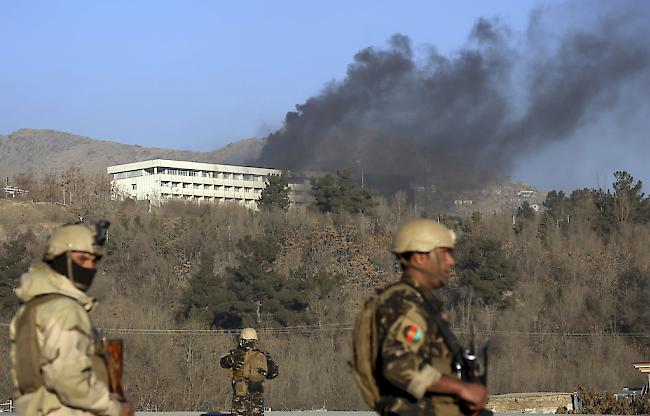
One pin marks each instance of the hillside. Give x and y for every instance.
(41, 151)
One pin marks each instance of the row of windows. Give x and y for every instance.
(207, 187)
(207, 198)
(215, 175)
(191, 173)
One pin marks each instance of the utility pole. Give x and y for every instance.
(361, 168)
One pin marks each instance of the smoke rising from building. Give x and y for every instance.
(474, 112)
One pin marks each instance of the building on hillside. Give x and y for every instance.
(161, 180)
(12, 191)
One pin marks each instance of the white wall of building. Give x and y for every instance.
(161, 180)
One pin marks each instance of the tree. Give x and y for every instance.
(253, 292)
(525, 215)
(276, 193)
(338, 193)
(483, 267)
(629, 203)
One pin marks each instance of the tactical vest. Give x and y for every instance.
(253, 369)
(28, 352)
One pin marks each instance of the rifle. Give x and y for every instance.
(469, 368)
(466, 362)
(113, 359)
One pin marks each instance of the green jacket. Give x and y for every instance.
(64, 333)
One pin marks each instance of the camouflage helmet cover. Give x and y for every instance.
(422, 235)
(248, 334)
(75, 237)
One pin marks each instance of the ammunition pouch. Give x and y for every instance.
(241, 387)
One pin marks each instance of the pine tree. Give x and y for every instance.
(483, 267)
(338, 194)
(253, 292)
(276, 193)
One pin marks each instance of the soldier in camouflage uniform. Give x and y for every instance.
(55, 369)
(248, 367)
(414, 368)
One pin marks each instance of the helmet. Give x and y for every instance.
(422, 235)
(75, 237)
(248, 334)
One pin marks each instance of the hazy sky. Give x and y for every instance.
(199, 74)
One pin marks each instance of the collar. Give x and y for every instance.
(40, 279)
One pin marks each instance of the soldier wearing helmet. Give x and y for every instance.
(55, 366)
(413, 371)
(248, 367)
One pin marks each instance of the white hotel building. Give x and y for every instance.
(160, 180)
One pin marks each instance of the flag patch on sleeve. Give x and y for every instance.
(412, 334)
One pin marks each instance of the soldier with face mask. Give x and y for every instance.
(410, 368)
(248, 367)
(56, 369)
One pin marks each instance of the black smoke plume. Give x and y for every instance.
(458, 119)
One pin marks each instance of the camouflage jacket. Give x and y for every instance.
(70, 384)
(412, 353)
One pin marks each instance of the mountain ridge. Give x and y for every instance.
(40, 151)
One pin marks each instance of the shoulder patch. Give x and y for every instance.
(408, 333)
(413, 334)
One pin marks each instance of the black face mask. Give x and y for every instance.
(246, 344)
(81, 277)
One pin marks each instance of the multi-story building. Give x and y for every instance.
(160, 180)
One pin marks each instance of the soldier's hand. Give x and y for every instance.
(126, 409)
(474, 393)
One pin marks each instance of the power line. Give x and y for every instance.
(345, 327)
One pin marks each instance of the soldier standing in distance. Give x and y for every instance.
(248, 367)
(55, 366)
(414, 368)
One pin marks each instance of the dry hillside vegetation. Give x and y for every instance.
(563, 302)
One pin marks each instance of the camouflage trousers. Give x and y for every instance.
(251, 404)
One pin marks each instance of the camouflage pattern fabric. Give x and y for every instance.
(251, 404)
(412, 354)
(71, 385)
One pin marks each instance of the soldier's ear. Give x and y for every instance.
(418, 258)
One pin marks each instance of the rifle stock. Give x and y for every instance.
(113, 358)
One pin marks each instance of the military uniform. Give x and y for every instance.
(247, 374)
(55, 369)
(412, 353)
